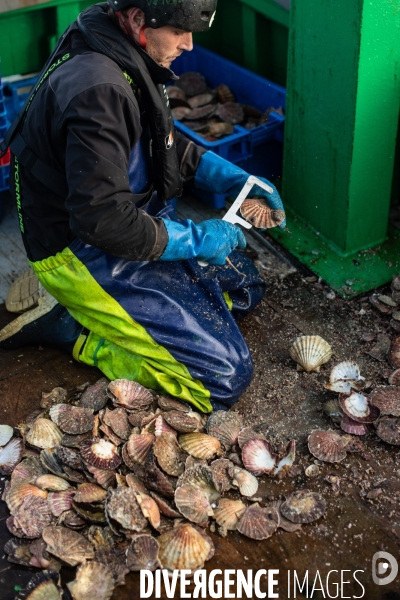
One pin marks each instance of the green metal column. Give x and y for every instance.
(342, 114)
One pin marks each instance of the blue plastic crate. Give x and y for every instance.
(258, 150)
(15, 93)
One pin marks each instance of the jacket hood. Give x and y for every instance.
(119, 44)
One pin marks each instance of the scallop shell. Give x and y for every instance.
(135, 483)
(43, 434)
(33, 515)
(70, 457)
(284, 523)
(155, 479)
(18, 551)
(13, 528)
(353, 427)
(200, 445)
(110, 436)
(260, 215)
(73, 475)
(10, 455)
(40, 558)
(59, 502)
(143, 554)
(6, 433)
(183, 548)
(202, 478)
(357, 407)
(17, 494)
(149, 508)
(193, 503)
(174, 91)
(228, 513)
(184, 422)
(225, 426)
(135, 418)
(93, 580)
(192, 83)
(303, 506)
(258, 458)
(248, 434)
(49, 460)
(89, 492)
(231, 112)
(27, 470)
(200, 100)
(123, 508)
(219, 130)
(287, 460)
(387, 399)
(167, 403)
(348, 372)
(74, 441)
(72, 520)
(95, 396)
(180, 112)
(220, 470)
(310, 352)
(118, 421)
(72, 419)
(148, 424)
(170, 456)
(42, 586)
(130, 395)
(394, 353)
(165, 507)
(56, 396)
(52, 483)
(394, 378)
(68, 545)
(100, 454)
(388, 430)
(138, 447)
(161, 426)
(258, 523)
(191, 461)
(224, 94)
(103, 477)
(327, 446)
(245, 481)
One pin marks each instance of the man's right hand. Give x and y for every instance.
(211, 241)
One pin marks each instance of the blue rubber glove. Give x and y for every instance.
(217, 175)
(211, 241)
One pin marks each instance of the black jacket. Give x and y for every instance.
(84, 121)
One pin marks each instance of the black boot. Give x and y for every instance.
(54, 328)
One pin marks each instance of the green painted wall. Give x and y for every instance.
(27, 35)
(342, 114)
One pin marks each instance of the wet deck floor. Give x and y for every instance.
(284, 405)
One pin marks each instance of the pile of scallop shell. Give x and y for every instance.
(356, 412)
(389, 305)
(212, 113)
(116, 478)
(353, 411)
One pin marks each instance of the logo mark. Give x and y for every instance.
(387, 566)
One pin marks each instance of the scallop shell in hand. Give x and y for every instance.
(310, 352)
(259, 214)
